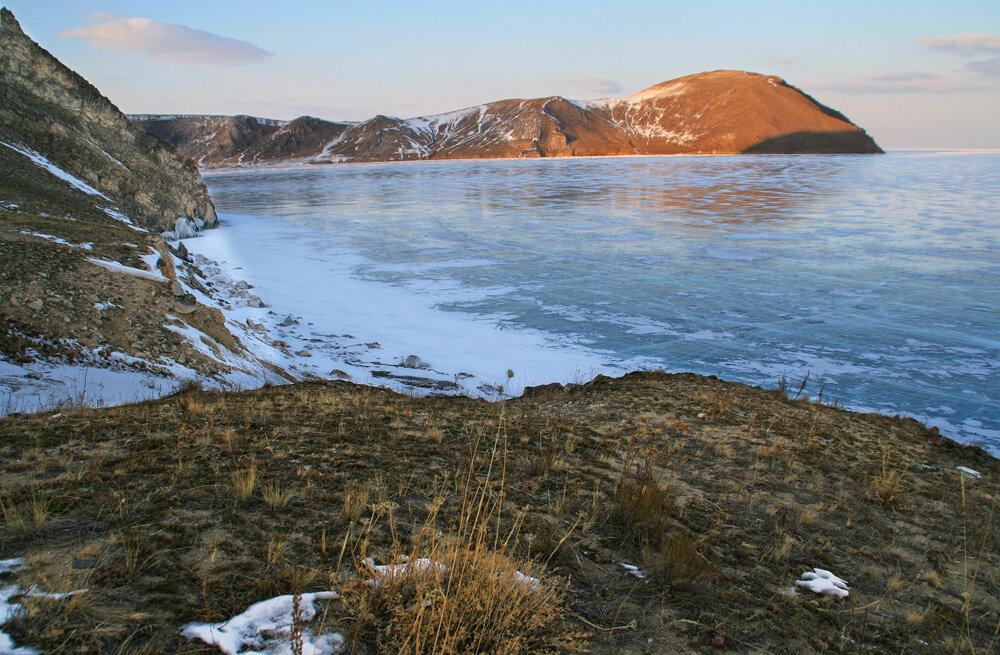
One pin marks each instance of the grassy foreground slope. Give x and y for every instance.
(194, 506)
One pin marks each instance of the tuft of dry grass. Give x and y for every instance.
(461, 591)
(887, 484)
(355, 502)
(275, 495)
(28, 516)
(244, 483)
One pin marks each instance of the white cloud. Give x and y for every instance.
(973, 76)
(963, 44)
(166, 42)
(598, 85)
(906, 76)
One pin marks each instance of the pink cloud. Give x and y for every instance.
(598, 84)
(908, 82)
(166, 42)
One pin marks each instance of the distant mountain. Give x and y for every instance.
(722, 112)
(240, 140)
(87, 281)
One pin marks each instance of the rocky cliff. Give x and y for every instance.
(50, 109)
(87, 283)
(722, 112)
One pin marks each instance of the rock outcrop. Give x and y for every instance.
(86, 280)
(722, 112)
(46, 107)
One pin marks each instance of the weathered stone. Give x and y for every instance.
(185, 228)
(91, 139)
(543, 388)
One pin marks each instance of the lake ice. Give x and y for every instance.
(875, 275)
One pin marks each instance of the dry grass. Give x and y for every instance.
(887, 483)
(355, 502)
(461, 591)
(244, 483)
(677, 560)
(276, 495)
(642, 504)
(721, 512)
(28, 516)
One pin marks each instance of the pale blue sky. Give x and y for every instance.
(351, 60)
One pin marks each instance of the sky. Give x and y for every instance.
(913, 74)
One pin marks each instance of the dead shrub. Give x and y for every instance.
(677, 560)
(642, 504)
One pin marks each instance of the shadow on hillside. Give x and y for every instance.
(841, 142)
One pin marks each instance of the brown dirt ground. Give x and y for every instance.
(722, 493)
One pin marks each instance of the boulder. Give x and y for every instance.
(185, 228)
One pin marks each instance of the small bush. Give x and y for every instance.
(642, 504)
(461, 591)
(461, 598)
(677, 561)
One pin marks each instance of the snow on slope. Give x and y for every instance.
(42, 162)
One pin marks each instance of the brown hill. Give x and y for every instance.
(240, 140)
(734, 112)
(722, 112)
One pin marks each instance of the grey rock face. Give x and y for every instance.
(50, 109)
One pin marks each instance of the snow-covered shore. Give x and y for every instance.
(294, 306)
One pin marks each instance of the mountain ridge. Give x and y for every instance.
(717, 112)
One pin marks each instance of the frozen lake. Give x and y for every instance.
(875, 275)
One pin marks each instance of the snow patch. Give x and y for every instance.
(9, 610)
(116, 267)
(633, 570)
(969, 473)
(266, 627)
(393, 572)
(118, 216)
(675, 89)
(42, 162)
(64, 242)
(823, 582)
